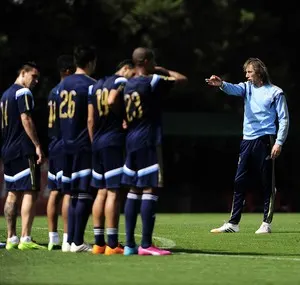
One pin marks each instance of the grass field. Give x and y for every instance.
(199, 256)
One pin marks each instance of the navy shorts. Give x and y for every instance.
(55, 166)
(143, 168)
(22, 174)
(107, 167)
(76, 172)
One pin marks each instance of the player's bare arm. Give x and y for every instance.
(90, 121)
(114, 100)
(174, 75)
(30, 130)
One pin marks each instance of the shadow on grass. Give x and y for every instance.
(216, 252)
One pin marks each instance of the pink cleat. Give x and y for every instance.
(152, 250)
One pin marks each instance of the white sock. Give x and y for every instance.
(13, 239)
(65, 238)
(53, 237)
(26, 239)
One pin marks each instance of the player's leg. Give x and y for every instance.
(113, 160)
(64, 212)
(10, 212)
(148, 178)
(54, 199)
(240, 186)
(266, 169)
(80, 183)
(68, 209)
(99, 221)
(27, 214)
(52, 218)
(29, 182)
(132, 203)
(22, 175)
(99, 203)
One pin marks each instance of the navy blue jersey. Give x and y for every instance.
(142, 96)
(73, 107)
(108, 130)
(15, 142)
(54, 135)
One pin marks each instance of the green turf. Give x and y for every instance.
(199, 256)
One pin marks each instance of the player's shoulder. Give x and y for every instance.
(114, 81)
(21, 91)
(100, 81)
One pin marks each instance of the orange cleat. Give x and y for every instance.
(98, 249)
(112, 251)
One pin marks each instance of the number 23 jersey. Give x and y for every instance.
(142, 97)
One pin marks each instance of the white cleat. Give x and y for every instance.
(226, 228)
(265, 228)
(80, 248)
(65, 247)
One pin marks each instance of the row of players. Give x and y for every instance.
(91, 125)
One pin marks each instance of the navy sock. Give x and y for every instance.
(148, 218)
(99, 236)
(112, 237)
(83, 210)
(132, 208)
(71, 219)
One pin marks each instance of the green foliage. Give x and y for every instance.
(197, 38)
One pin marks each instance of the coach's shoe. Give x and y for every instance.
(29, 245)
(97, 249)
(53, 246)
(80, 248)
(130, 250)
(111, 251)
(152, 250)
(265, 228)
(227, 228)
(65, 247)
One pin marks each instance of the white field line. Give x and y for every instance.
(248, 256)
(168, 243)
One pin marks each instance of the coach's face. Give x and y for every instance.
(30, 78)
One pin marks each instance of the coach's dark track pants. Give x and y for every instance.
(254, 160)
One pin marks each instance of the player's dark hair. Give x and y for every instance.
(66, 62)
(84, 54)
(128, 62)
(27, 66)
(259, 68)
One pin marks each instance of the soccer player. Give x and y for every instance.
(142, 169)
(66, 67)
(108, 140)
(73, 109)
(22, 155)
(264, 106)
